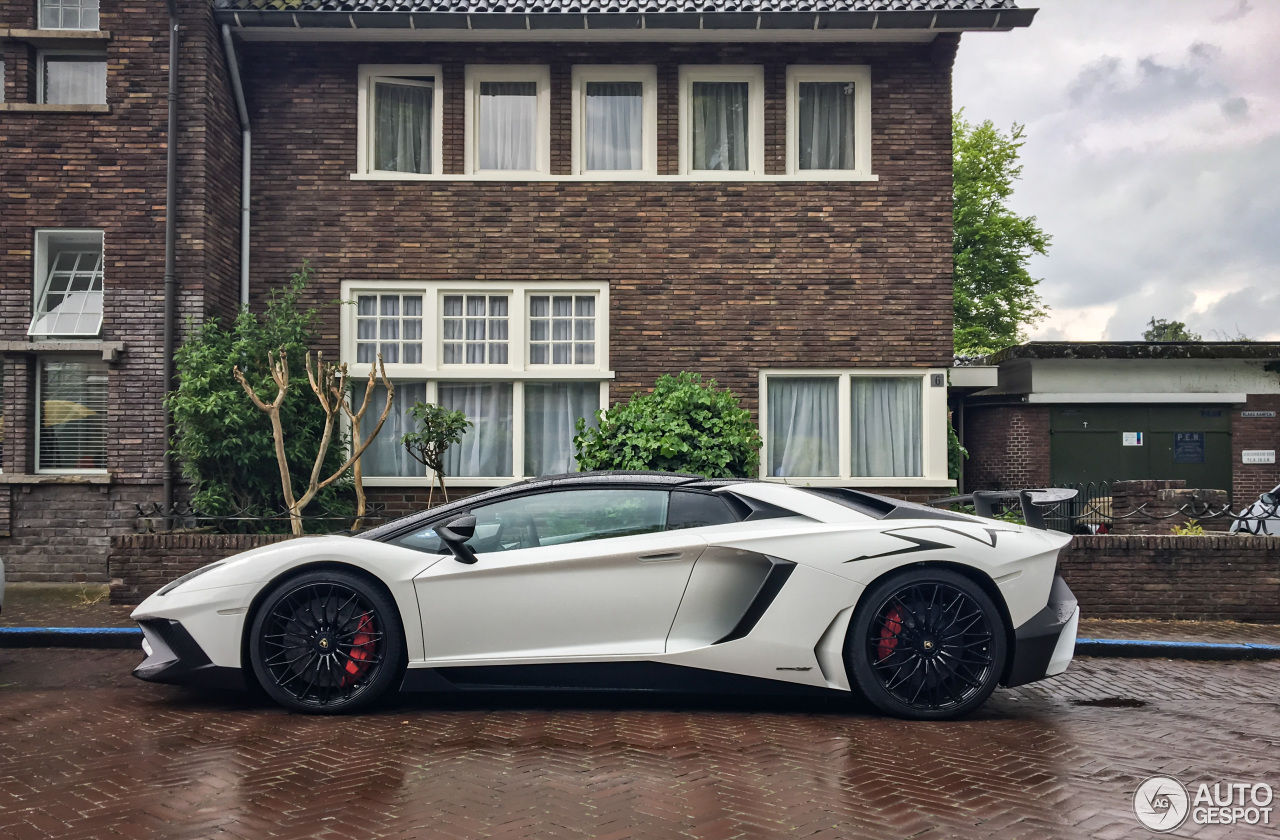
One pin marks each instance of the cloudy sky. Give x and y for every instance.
(1152, 158)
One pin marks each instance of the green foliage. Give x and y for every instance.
(222, 441)
(995, 296)
(1191, 528)
(438, 429)
(683, 425)
(956, 454)
(1159, 329)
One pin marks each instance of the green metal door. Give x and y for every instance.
(1101, 443)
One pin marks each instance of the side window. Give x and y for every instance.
(697, 510)
(423, 539)
(567, 517)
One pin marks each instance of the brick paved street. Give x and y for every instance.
(88, 752)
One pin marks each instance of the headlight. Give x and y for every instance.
(169, 587)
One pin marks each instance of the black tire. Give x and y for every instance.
(926, 644)
(327, 642)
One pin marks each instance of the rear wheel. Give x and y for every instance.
(926, 644)
(327, 642)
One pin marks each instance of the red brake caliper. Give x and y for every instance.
(889, 631)
(361, 651)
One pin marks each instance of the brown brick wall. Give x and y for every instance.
(1008, 447)
(721, 278)
(1251, 480)
(142, 563)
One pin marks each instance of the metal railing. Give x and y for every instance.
(153, 517)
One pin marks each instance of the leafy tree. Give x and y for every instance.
(223, 442)
(995, 296)
(438, 429)
(682, 425)
(1159, 329)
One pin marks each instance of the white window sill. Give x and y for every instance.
(502, 373)
(46, 108)
(887, 481)
(624, 177)
(425, 482)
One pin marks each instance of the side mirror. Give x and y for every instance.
(455, 535)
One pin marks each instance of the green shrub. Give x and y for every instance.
(222, 442)
(683, 425)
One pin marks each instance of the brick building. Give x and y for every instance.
(532, 209)
(1207, 413)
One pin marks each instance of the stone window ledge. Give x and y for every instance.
(40, 108)
(47, 37)
(55, 478)
(110, 350)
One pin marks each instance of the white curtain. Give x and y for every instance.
(387, 455)
(615, 120)
(804, 425)
(402, 139)
(887, 430)
(485, 449)
(720, 125)
(826, 125)
(551, 410)
(71, 80)
(508, 125)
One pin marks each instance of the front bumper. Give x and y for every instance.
(175, 658)
(1044, 645)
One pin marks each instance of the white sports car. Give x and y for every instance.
(632, 581)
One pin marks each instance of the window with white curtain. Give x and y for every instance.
(551, 412)
(475, 329)
(68, 14)
(72, 78)
(390, 325)
(858, 426)
(71, 416)
(486, 447)
(615, 119)
(722, 120)
(508, 119)
(400, 120)
(386, 455)
(829, 120)
(68, 290)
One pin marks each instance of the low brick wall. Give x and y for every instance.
(1196, 578)
(1162, 577)
(139, 564)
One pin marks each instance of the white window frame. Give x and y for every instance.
(933, 409)
(409, 74)
(40, 275)
(599, 317)
(59, 53)
(40, 6)
(517, 371)
(753, 75)
(39, 418)
(438, 324)
(647, 76)
(860, 75)
(478, 73)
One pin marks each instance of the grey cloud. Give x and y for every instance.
(1239, 10)
(1236, 108)
(1107, 86)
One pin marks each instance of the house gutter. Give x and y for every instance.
(233, 64)
(170, 244)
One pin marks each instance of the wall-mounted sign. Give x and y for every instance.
(1258, 456)
(1188, 447)
(1131, 438)
(1257, 414)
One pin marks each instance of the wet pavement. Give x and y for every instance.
(88, 752)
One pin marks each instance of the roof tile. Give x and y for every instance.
(611, 6)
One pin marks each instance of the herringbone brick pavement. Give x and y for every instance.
(85, 752)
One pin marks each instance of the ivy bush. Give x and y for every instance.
(682, 425)
(222, 442)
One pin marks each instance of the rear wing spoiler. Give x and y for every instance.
(1033, 502)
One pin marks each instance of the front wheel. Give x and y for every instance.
(926, 644)
(327, 642)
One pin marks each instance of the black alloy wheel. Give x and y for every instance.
(327, 642)
(927, 644)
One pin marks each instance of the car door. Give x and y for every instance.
(580, 572)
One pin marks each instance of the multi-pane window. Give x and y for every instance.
(828, 116)
(722, 119)
(71, 426)
(402, 125)
(508, 119)
(68, 14)
(475, 329)
(391, 325)
(73, 78)
(68, 299)
(562, 330)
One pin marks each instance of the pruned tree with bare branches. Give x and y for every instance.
(329, 383)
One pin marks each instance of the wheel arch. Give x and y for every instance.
(977, 576)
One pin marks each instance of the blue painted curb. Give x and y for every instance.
(120, 638)
(1144, 649)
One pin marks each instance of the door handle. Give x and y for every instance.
(660, 558)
